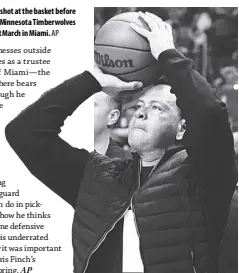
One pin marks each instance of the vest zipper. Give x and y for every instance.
(192, 255)
(132, 205)
(109, 230)
(155, 166)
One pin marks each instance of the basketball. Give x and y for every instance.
(122, 52)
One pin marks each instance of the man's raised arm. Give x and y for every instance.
(208, 137)
(34, 133)
(34, 136)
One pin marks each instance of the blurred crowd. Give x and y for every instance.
(206, 35)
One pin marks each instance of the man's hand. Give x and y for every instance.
(113, 86)
(160, 37)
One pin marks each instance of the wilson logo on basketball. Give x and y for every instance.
(105, 61)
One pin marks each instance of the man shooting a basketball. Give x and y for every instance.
(179, 183)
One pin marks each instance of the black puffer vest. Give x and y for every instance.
(168, 212)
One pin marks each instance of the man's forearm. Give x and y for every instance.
(33, 135)
(206, 115)
(194, 94)
(208, 138)
(45, 117)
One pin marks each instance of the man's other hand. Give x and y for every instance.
(160, 37)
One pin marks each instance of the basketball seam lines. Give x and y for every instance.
(117, 20)
(122, 21)
(124, 47)
(131, 72)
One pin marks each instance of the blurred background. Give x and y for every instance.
(208, 36)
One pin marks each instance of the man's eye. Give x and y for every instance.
(155, 107)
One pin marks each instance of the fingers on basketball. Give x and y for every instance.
(157, 19)
(142, 31)
(149, 20)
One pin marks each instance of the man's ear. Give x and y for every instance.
(181, 129)
(113, 117)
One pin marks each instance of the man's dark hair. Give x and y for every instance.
(116, 102)
(162, 80)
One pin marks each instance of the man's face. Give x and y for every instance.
(104, 113)
(155, 122)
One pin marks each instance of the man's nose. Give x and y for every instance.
(141, 114)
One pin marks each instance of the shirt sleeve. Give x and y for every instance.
(34, 136)
(208, 138)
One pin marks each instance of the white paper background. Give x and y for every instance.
(72, 53)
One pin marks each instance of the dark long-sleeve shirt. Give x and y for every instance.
(208, 138)
(34, 134)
